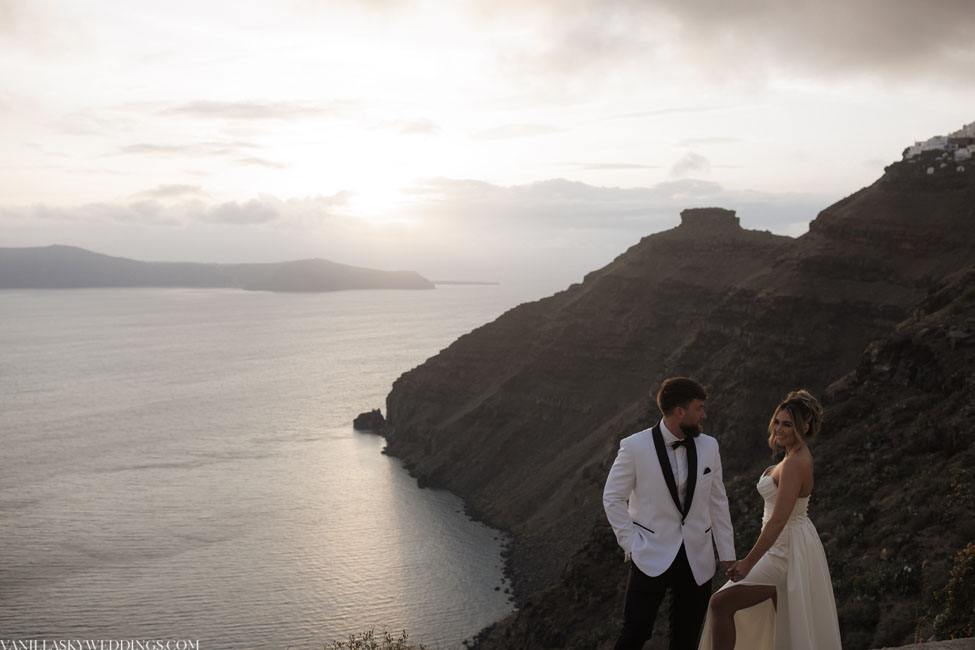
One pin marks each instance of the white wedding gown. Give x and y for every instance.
(805, 618)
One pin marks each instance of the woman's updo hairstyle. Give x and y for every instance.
(806, 412)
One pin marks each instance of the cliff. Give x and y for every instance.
(67, 267)
(522, 417)
(529, 405)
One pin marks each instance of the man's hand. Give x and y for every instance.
(729, 566)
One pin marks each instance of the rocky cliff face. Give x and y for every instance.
(897, 495)
(518, 415)
(523, 416)
(894, 497)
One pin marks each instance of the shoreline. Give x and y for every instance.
(509, 542)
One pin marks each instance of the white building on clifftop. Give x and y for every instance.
(961, 143)
(967, 131)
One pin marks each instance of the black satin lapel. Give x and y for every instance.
(691, 448)
(658, 443)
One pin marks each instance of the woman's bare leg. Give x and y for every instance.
(723, 606)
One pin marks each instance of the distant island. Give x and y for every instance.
(68, 267)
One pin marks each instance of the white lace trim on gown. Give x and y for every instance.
(796, 566)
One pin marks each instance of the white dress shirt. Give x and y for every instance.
(678, 461)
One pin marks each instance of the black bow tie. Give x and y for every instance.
(680, 443)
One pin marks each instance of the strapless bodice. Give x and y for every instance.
(769, 490)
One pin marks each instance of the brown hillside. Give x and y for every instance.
(522, 417)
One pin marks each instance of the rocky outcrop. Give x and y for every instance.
(522, 417)
(370, 421)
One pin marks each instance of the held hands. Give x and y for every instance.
(739, 569)
(729, 566)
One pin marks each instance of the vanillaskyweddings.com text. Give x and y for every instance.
(99, 644)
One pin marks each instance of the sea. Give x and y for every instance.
(180, 464)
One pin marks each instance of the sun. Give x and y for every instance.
(377, 204)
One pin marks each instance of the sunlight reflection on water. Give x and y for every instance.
(181, 464)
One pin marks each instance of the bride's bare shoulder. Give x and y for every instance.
(799, 464)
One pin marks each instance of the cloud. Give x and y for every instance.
(416, 127)
(232, 148)
(296, 214)
(253, 160)
(257, 111)
(339, 198)
(614, 166)
(743, 42)
(580, 39)
(558, 204)
(153, 149)
(893, 39)
(661, 112)
(558, 230)
(143, 213)
(171, 191)
(150, 213)
(43, 30)
(550, 232)
(89, 122)
(149, 209)
(241, 214)
(317, 9)
(690, 163)
(697, 142)
(240, 152)
(515, 131)
(459, 205)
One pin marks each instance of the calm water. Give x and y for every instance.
(181, 464)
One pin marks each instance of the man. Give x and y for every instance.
(665, 500)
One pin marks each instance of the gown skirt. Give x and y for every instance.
(805, 618)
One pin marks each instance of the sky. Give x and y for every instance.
(527, 141)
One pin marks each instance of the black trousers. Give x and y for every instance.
(688, 605)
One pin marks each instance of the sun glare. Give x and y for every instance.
(377, 204)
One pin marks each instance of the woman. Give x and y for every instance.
(780, 595)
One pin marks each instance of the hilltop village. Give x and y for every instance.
(955, 148)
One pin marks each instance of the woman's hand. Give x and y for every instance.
(740, 570)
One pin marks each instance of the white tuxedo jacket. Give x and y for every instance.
(641, 503)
